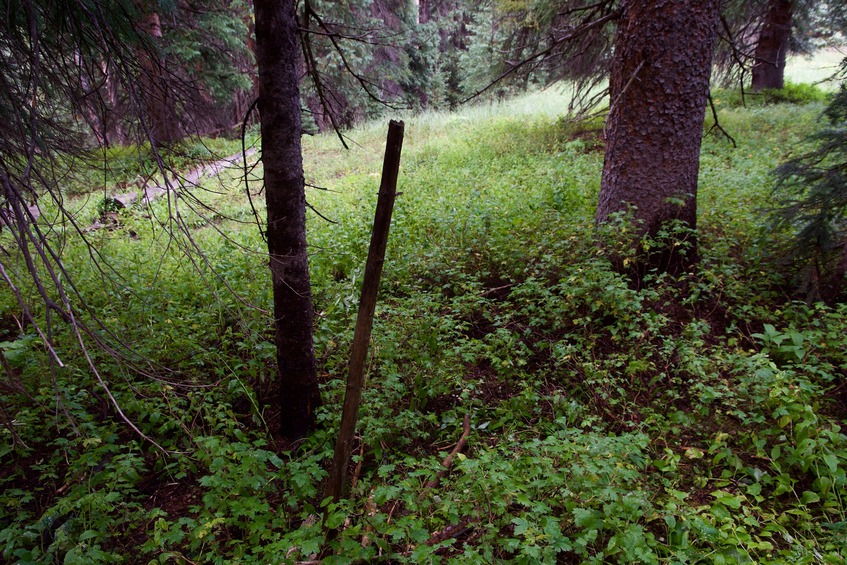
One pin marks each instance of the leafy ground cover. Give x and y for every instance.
(694, 420)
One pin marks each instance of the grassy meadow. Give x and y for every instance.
(695, 420)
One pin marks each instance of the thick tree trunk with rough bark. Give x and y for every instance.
(772, 46)
(658, 90)
(279, 110)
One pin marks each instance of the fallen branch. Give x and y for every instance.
(452, 531)
(497, 289)
(448, 461)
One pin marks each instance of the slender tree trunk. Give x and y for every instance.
(772, 47)
(658, 86)
(279, 111)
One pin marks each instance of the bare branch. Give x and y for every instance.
(363, 82)
(573, 34)
(717, 125)
(312, 70)
(252, 107)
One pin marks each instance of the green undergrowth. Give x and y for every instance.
(791, 93)
(692, 420)
(117, 169)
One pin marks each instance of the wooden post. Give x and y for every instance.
(367, 303)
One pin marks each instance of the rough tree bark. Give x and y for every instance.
(658, 90)
(277, 52)
(772, 46)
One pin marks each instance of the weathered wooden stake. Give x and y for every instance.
(367, 303)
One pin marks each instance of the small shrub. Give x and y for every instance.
(791, 93)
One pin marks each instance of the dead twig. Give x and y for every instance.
(716, 125)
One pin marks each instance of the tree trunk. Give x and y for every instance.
(423, 11)
(772, 46)
(658, 90)
(279, 111)
(836, 283)
(158, 98)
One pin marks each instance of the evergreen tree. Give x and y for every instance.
(196, 75)
(279, 108)
(204, 46)
(758, 35)
(364, 56)
(516, 44)
(812, 192)
(772, 45)
(658, 88)
(52, 60)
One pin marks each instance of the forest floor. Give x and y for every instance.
(690, 419)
